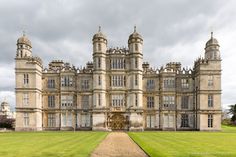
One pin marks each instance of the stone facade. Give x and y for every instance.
(117, 91)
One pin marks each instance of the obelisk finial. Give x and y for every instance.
(211, 31)
(23, 32)
(99, 29)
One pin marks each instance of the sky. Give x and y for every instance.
(172, 30)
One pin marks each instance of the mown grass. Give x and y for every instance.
(188, 144)
(156, 144)
(49, 144)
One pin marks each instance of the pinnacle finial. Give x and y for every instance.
(99, 28)
(212, 31)
(134, 28)
(23, 32)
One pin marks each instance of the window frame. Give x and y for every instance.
(150, 84)
(169, 82)
(210, 121)
(168, 101)
(26, 121)
(210, 100)
(25, 99)
(136, 79)
(210, 81)
(51, 101)
(67, 101)
(99, 80)
(67, 81)
(85, 102)
(150, 101)
(184, 102)
(85, 84)
(51, 120)
(184, 120)
(99, 100)
(26, 79)
(99, 62)
(51, 83)
(185, 83)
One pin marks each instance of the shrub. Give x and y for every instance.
(6, 122)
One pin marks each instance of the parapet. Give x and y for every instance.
(57, 66)
(200, 61)
(117, 50)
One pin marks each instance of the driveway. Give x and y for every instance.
(118, 144)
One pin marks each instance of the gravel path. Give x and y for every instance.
(118, 144)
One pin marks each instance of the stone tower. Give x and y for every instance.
(99, 80)
(28, 73)
(208, 87)
(135, 88)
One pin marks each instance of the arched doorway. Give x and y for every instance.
(117, 122)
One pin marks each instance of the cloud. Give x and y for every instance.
(7, 77)
(172, 31)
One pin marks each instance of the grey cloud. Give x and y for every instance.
(7, 77)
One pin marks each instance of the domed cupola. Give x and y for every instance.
(99, 42)
(212, 42)
(135, 42)
(24, 47)
(135, 36)
(212, 49)
(24, 40)
(99, 36)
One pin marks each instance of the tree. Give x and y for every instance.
(232, 111)
(6, 122)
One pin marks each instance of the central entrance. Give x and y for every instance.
(117, 122)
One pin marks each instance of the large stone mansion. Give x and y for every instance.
(117, 91)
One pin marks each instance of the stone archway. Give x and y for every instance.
(117, 122)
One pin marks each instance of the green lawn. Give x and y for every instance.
(49, 144)
(81, 144)
(188, 144)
